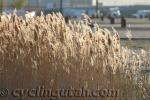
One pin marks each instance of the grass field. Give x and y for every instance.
(136, 44)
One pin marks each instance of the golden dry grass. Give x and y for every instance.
(46, 51)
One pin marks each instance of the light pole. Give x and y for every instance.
(28, 4)
(4, 3)
(1, 5)
(61, 6)
(38, 4)
(38, 7)
(97, 2)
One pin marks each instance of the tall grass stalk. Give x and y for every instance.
(45, 51)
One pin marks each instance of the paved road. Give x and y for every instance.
(140, 28)
(142, 32)
(129, 21)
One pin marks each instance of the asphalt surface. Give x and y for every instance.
(140, 28)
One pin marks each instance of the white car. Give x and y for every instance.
(114, 12)
(142, 14)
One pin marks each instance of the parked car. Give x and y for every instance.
(114, 12)
(142, 14)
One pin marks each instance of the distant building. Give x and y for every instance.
(82, 3)
(51, 4)
(35, 3)
(66, 3)
(3, 4)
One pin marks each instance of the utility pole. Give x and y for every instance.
(38, 4)
(28, 4)
(61, 6)
(38, 7)
(97, 7)
(1, 6)
(38, 1)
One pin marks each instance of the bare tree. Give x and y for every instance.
(19, 3)
(3, 5)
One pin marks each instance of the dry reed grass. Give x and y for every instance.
(44, 50)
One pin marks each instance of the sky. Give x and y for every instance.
(124, 2)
